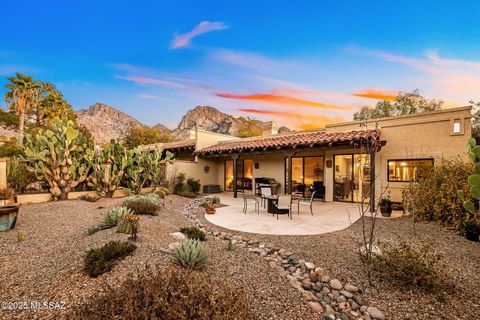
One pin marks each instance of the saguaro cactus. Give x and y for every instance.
(57, 155)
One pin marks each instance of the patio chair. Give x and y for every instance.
(284, 202)
(266, 192)
(250, 199)
(306, 202)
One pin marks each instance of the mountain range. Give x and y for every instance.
(106, 122)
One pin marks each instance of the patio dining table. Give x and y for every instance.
(272, 208)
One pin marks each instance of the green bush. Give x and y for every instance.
(88, 198)
(193, 185)
(179, 187)
(215, 200)
(18, 175)
(190, 254)
(193, 233)
(168, 294)
(434, 196)
(103, 259)
(188, 194)
(147, 204)
(406, 266)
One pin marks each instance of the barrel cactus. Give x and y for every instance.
(59, 155)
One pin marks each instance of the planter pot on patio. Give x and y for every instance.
(472, 235)
(210, 210)
(8, 217)
(386, 211)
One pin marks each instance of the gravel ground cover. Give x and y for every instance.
(337, 253)
(47, 265)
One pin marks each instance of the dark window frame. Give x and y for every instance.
(406, 160)
(303, 169)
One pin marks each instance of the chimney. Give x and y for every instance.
(269, 128)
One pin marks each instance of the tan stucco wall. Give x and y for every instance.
(3, 173)
(195, 169)
(407, 137)
(207, 138)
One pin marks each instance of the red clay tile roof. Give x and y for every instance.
(187, 144)
(173, 146)
(300, 139)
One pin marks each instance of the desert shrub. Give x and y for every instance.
(88, 198)
(168, 294)
(193, 233)
(18, 175)
(103, 259)
(188, 194)
(434, 196)
(215, 200)
(407, 266)
(110, 219)
(190, 254)
(193, 185)
(147, 204)
(179, 186)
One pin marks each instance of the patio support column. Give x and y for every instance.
(289, 173)
(372, 178)
(235, 157)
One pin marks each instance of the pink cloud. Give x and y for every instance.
(184, 39)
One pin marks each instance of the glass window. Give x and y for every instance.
(457, 127)
(407, 170)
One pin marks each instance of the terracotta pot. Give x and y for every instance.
(386, 211)
(210, 210)
(8, 217)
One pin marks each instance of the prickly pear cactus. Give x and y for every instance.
(473, 151)
(146, 167)
(108, 167)
(58, 155)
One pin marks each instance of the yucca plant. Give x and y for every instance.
(190, 254)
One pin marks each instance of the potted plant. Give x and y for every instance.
(210, 208)
(6, 196)
(385, 206)
(471, 229)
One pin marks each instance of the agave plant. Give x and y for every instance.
(190, 254)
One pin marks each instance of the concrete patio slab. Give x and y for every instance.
(327, 217)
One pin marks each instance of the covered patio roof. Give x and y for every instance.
(308, 139)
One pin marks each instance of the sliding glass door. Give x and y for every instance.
(352, 178)
(307, 174)
(244, 175)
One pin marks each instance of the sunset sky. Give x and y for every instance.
(301, 63)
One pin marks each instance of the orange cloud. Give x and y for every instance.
(282, 100)
(302, 121)
(376, 94)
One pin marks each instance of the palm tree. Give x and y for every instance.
(22, 95)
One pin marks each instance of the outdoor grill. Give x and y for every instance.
(266, 182)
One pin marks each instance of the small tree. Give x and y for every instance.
(57, 155)
(140, 135)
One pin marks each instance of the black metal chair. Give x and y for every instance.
(247, 198)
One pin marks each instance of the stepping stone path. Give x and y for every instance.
(323, 294)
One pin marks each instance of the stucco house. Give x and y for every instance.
(340, 159)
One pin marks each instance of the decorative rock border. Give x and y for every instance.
(323, 294)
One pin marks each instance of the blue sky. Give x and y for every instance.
(302, 63)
